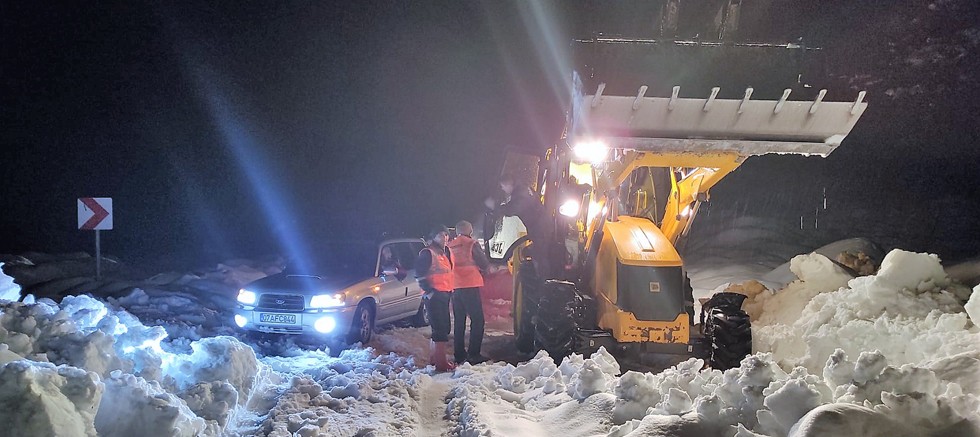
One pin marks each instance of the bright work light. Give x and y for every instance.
(592, 151)
(569, 208)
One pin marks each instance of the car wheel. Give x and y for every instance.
(421, 318)
(362, 327)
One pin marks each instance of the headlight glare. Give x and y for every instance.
(569, 208)
(246, 297)
(591, 151)
(327, 300)
(325, 325)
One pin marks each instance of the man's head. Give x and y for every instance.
(464, 227)
(507, 184)
(439, 235)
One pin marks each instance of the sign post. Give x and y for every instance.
(95, 213)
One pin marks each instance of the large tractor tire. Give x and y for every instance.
(727, 329)
(554, 326)
(526, 291)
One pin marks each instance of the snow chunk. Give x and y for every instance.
(819, 272)
(41, 399)
(912, 271)
(972, 306)
(9, 290)
(223, 359)
(135, 406)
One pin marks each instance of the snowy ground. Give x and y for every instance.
(892, 354)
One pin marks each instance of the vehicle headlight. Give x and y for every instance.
(591, 151)
(327, 300)
(569, 208)
(246, 297)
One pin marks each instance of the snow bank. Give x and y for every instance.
(909, 311)
(356, 394)
(113, 374)
(581, 397)
(890, 354)
(897, 353)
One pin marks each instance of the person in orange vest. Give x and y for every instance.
(469, 264)
(434, 271)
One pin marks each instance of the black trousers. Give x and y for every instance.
(438, 303)
(466, 303)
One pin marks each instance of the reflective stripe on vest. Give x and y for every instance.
(466, 274)
(441, 272)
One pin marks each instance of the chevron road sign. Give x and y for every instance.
(95, 213)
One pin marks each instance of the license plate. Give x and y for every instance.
(285, 319)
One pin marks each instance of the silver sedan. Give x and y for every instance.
(330, 306)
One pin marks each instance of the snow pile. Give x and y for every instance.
(887, 355)
(205, 310)
(584, 397)
(88, 365)
(8, 289)
(909, 311)
(44, 399)
(356, 394)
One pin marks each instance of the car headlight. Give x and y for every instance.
(327, 300)
(246, 297)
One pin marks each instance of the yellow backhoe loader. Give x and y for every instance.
(621, 189)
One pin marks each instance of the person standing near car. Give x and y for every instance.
(469, 265)
(434, 271)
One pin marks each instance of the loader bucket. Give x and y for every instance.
(744, 126)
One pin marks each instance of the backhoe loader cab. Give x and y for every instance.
(622, 188)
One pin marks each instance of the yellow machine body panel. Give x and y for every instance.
(638, 284)
(626, 329)
(638, 242)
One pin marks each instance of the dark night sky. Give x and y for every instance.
(224, 129)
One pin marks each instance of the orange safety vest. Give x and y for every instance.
(466, 274)
(441, 273)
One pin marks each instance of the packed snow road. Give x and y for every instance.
(896, 353)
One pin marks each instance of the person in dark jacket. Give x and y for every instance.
(525, 205)
(469, 265)
(434, 272)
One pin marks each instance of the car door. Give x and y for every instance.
(400, 295)
(413, 292)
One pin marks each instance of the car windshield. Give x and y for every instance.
(339, 261)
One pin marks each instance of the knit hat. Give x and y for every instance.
(436, 230)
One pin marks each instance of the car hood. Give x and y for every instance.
(284, 282)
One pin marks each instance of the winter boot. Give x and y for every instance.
(437, 357)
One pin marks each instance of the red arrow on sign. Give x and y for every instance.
(99, 213)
